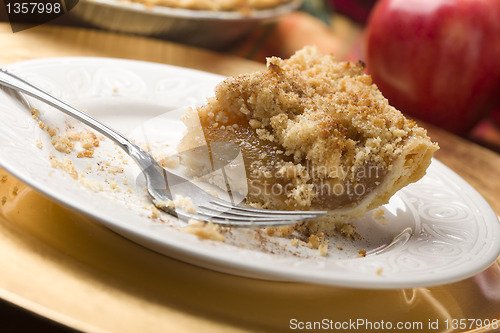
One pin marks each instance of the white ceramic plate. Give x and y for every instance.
(455, 231)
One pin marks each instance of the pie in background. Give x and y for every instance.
(215, 5)
(314, 134)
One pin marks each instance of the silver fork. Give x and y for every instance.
(159, 179)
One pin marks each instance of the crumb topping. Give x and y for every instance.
(319, 110)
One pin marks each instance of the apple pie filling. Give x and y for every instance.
(314, 134)
(284, 182)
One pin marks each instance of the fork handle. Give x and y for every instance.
(12, 81)
(143, 159)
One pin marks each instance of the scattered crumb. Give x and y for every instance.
(34, 112)
(48, 129)
(361, 253)
(185, 204)
(320, 242)
(204, 230)
(339, 247)
(378, 213)
(4, 200)
(155, 212)
(280, 231)
(66, 165)
(323, 248)
(66, 142)
(85, 153)
(15, 190)
(115, 169)
(315, 240)
(379, 216)
(349, 230)
(90, 184)
(4, 178)
(379, 271)
(62, 144)
(163, 204)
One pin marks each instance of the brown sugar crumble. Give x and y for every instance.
(65, 164)
(205, 230)
(362, 253)
(67, 141)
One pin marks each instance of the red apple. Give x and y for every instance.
(437, 60)
(495, 116)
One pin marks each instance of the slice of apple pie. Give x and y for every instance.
(314, 134)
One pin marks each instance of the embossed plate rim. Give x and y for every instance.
(256, 265)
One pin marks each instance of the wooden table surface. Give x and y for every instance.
(70, 269)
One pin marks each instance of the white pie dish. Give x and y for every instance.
(214, 30)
